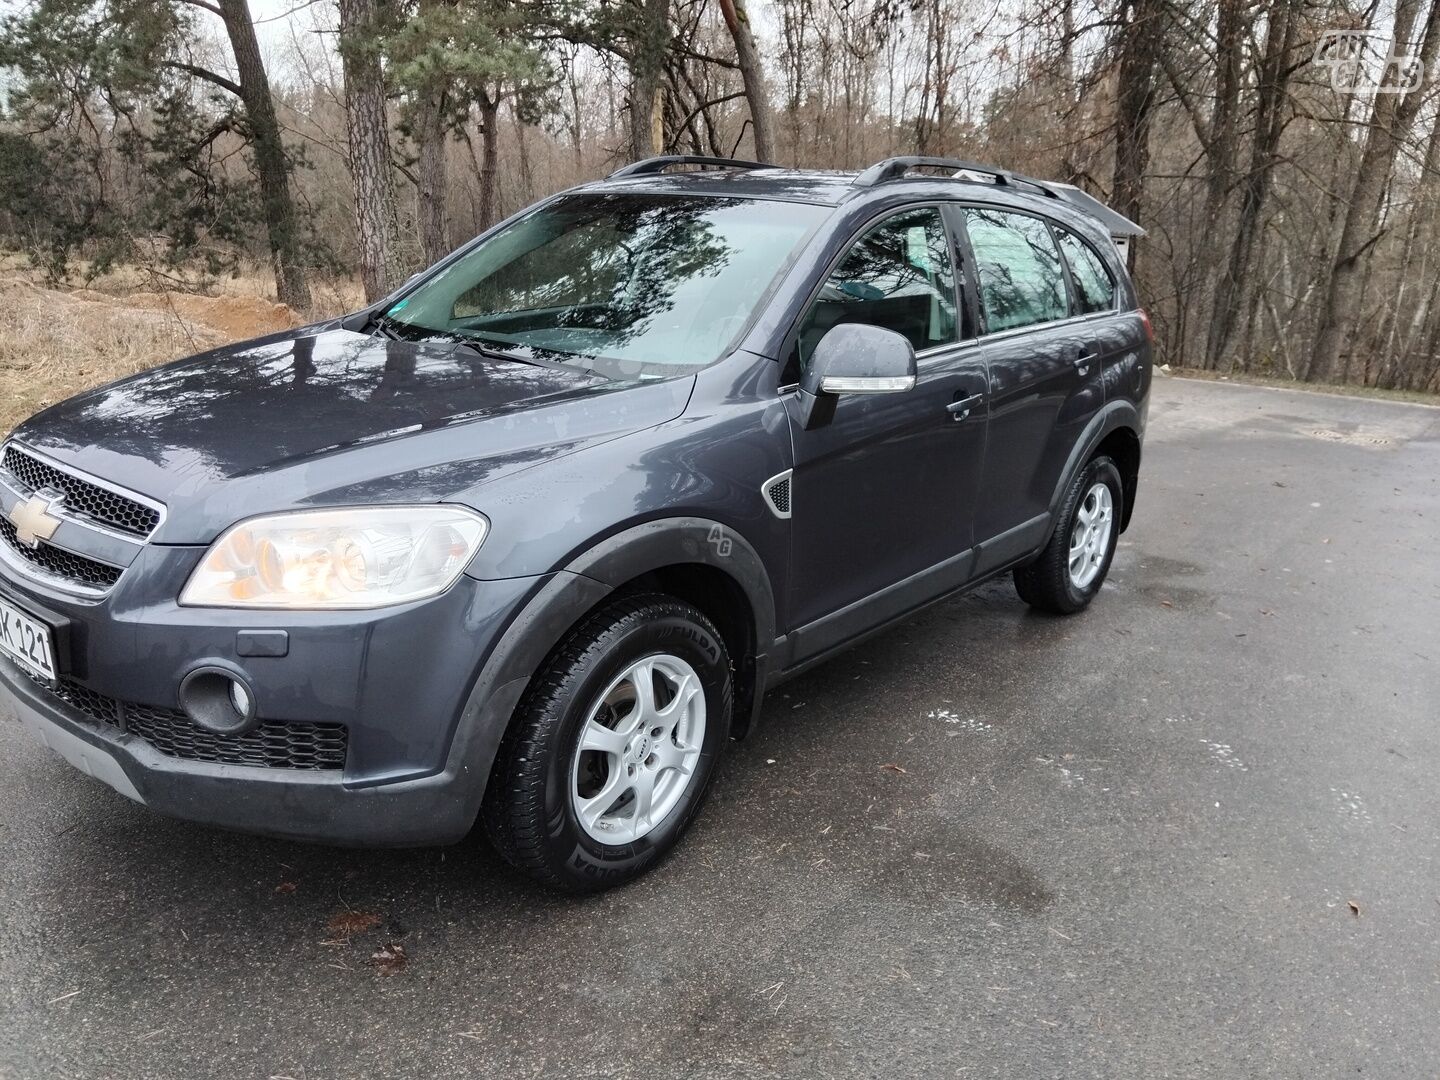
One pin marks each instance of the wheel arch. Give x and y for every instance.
(1114, 430)
(706, 564)
(703, 562)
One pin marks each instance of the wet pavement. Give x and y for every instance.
(1191, 832)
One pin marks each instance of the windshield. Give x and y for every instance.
(629, 285)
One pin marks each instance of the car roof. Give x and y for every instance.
(834, 188)
(789, 185)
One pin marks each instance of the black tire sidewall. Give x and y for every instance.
(570, 851)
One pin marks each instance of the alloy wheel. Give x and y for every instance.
(1090, 535)
(638, 749)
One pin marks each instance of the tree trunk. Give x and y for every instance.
(271, 167)
(1221, 137)
(1390, 121)
(762, 118)
(430, 178)
(1231, 290)
(649, 44)
(369, 132)
(489, 156)
(1140, 44)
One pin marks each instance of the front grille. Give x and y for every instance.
(60, 563)
(82, 498)
(94, 705)
(272, 745)
(275, 744)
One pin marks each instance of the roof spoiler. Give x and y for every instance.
(1115, 223)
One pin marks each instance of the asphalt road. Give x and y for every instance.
(1192, 832)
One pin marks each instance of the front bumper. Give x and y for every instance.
(320, 806)
(412, 688)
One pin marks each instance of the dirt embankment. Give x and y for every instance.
(237, 317)
(56, 343)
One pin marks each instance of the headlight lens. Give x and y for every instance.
(358, 557)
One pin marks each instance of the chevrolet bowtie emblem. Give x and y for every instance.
(33, 519)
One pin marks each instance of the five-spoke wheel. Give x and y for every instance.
(638, 749)
(1090, 535)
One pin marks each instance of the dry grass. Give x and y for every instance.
(55, 343)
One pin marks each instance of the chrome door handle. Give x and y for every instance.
(960, 408)
(1082, 363)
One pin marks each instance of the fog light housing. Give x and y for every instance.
(219, 700)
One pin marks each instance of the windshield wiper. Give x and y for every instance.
(490, 352)
(383, 326)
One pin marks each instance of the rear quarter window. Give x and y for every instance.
(1094, 285)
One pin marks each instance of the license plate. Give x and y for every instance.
(27, 641)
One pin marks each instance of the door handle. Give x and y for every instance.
(960, 408)
(1082, 363)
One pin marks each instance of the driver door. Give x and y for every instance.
(883, 492)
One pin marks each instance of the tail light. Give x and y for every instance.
(1149, 330)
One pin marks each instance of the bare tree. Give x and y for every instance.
(1233, 286)
(762, 117)
(1390, 122)
(1141, 35)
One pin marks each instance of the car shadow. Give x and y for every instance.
(805, 815)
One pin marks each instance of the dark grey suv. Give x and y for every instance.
(527, 542)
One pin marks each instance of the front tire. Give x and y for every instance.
(612, 748)
(1067, 574)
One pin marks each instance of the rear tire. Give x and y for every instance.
(598, 777)
(1067, 574)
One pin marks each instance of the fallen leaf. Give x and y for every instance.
(893, 767)
(1166, 603)
(390, 959)
(1354, 908)
(285, 888)
(346, 923)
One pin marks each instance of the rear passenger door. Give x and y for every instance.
(1096, 296)
(1044, 380)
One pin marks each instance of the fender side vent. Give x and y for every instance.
(777, 494)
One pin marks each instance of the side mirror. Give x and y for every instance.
(854, 358)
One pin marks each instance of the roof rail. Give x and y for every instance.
(895, 168)
(659, 164)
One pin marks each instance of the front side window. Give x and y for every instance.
(898, 276)
(1094, 287)
(628, 285)
(1021, 279)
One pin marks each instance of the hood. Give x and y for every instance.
(330, 418)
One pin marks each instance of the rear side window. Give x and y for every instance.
(1094, 287)
(897, 275)
(1018, 267)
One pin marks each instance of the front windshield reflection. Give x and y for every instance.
(631, 285)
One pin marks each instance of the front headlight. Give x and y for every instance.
(358, 557)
